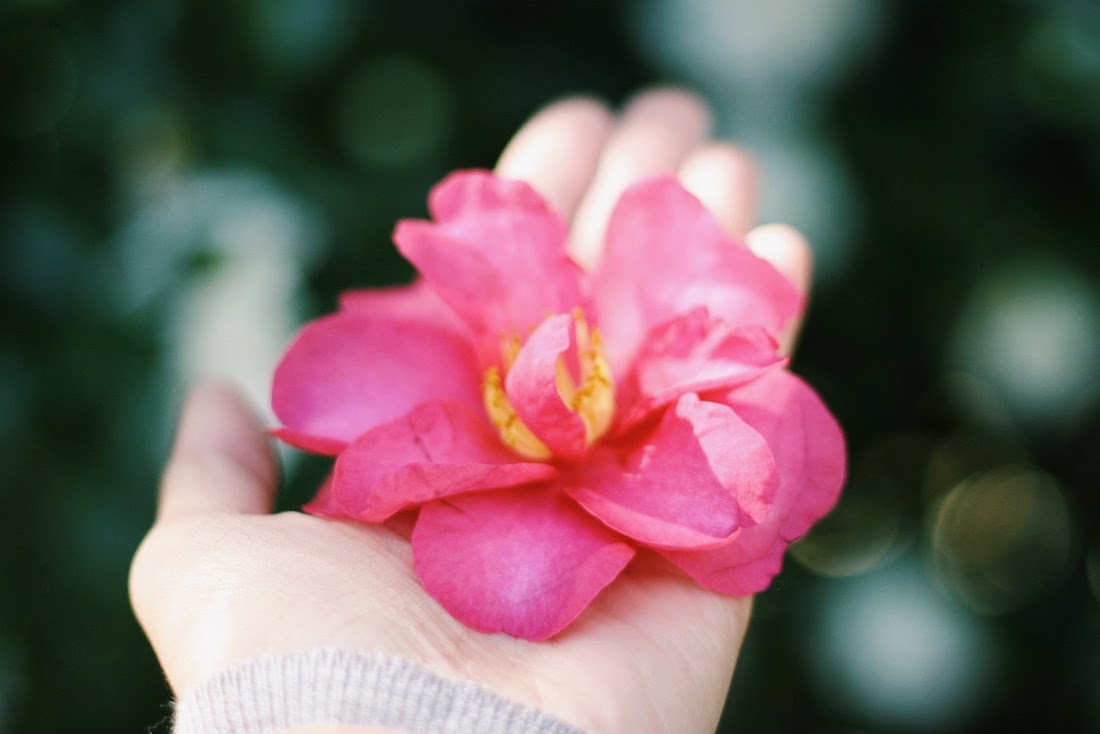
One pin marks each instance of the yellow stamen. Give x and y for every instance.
(510, 344)
(513, 432)
(593, 399)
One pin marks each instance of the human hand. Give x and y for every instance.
(220, 579)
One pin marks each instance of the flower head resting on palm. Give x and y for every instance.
(548, 423)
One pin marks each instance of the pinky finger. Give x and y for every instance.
(787, 250)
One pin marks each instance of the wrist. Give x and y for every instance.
(338, 729)
(351, 692)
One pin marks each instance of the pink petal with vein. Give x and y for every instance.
(531, 386)
(436, 450)
(495, 253)
(525, 562)
(349, 372)
(810, 456)
(666, 255)
(681, 485)
(695, 353)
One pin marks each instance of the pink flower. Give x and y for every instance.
(549, 422)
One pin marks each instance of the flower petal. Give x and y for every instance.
(667, 255)
(324, 503)
(532, 388)
(525, 562)
(414, 302)
(679, 486)
(437, 450)
(309, 442)
(491, 241)
(694, 353)
(809, 452)
(349, 372)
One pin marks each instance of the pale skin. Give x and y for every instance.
(220, 579)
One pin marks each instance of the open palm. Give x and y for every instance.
(220, 579)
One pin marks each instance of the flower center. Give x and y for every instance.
(592, 396)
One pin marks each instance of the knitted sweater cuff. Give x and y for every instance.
(328, 686)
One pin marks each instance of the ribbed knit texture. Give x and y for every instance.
(328, 686)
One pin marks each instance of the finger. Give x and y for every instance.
(724, 178)
(786, 249)
(556, 151)
(657, 130)
(221, 462)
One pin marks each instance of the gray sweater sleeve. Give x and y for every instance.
(330, 686)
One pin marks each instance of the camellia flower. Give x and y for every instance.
(548, 422)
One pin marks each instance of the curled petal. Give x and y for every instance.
(532, 388)
(349, 372)
(309, 442)
(525, 562)
(437, 450)
(666, 255)
(491, 241)
(695, 353)
(809, 452)
(681, 485)
(324, 503)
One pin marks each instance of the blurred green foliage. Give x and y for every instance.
(972, 134)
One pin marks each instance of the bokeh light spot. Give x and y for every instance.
(151, 146)
(890, 648)
(1001, 537)
(868, 528)
(748, 43)
(296, 37)
(1059, 69)
(1032, 332)
(393, 112)
(807, 186)
(966, 452)
(233, 317)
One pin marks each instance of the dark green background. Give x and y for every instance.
(971, 132)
